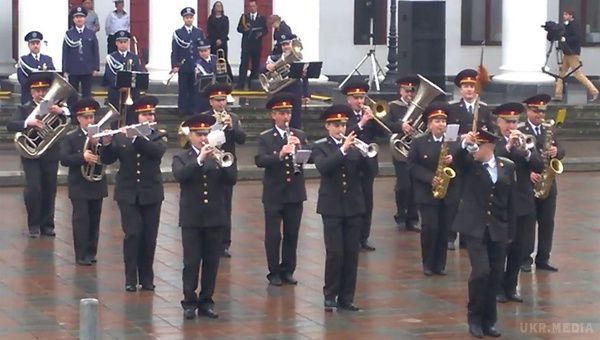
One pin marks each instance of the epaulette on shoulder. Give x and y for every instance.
(322, 140)
(265, 132)
(397, 102)
(455, 101)
(506, 161)
(483, 103)
(520, 125)
(72, 132)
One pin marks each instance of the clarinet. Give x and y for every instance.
(290, 133)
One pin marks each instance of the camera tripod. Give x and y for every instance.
(559, 60)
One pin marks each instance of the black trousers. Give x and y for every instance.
(40, 192)
(25, 94)
(367, 182)
(516, 250)
(187, 93)
(250, 54)
(228, 191)
(487, 266)
(545, 210)
(341, 236)
(86, 227)
(436, 221)
(140, 225)
(85, 80)
(110, 43)
(201, 246)
(406, 209)
(291, 215)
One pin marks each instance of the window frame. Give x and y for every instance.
(465, 25)
(579, 14)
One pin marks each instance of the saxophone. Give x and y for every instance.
(552, 166)
(443, 172)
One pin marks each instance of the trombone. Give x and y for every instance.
(380, 110)
(366, 150)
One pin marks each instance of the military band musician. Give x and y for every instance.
(32, 62)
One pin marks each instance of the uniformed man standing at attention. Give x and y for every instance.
(283, 189)
(32, 62)
(80, 59)
(202, 215)
(184, 54)
(139, 194)
(120, 60)
(86, 194)
(341, 204)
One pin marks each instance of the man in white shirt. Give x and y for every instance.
(117, 20)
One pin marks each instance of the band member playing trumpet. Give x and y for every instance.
(230, 124)
(299, 87)
(512, 145)
(341, 204)
(406, 216)
(361, 123)
(545, 207)
(283, 189)
(139, 194)
(40, 173)
(86, 196)
(202, 215)
(206, 66)
(183, 60)
(436, 187)
(32, 62)
(486, 221)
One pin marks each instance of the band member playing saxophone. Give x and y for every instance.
(202, 215)
(283, 189)
(513, 145)
(341, 204)
(139, 194)
(86, 196)
(436, 187)
(40, 173)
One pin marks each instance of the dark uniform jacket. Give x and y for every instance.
(185, 47)
(394, 118)
(71, 156)
(139, 179)
(209, 66)
(250, 37)
(368, 135)
(23, 71)
(423, 161)
(202, 199)
(458, 114)
(525, 198)
(284, 28)
(17, 124)
(84, 59)
(340, 191)
(116, 62)
(484, 204)
(234, 135)
(280, 184)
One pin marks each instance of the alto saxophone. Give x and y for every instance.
(552, 166)
(444, 173)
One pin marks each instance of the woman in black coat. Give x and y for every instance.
(217, 28)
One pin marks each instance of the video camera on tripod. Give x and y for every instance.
(554, 33)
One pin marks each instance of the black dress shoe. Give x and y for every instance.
(189, 313)
(545, 266)
(84, 262)
(34, 233)
(475, 330)
(427, 272)
(440, 272)
(491, 331)
(93, 259)
(413, 226)
(514, 297)
(366, 246)
(208, 312)
(348, 306)
(289, 279)
(526, 267)
(131, 288)
(275, 280)
(501, 297)
(451, 246)
(329, 305)
(226, 254)
(462, 245)
(48, 232)
(400, 224)
(148, 287)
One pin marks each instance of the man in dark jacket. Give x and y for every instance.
(32, 62)
(253, 27)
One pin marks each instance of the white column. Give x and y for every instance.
(7, 63)
(164, 19)
(50, 18)
(523, 42)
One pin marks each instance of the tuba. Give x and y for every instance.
(427, 92)
(278, 79)
(33, 142)
(552, 166)
(95, 172)
(445, 173)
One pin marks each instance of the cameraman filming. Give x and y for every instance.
(571, 48)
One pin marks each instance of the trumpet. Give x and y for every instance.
(380, 110)
(224, 159)
(522, 141)
(366, 150)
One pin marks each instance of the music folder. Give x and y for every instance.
(133, 80)
(313, 69)
(302, 156)
(203, 81)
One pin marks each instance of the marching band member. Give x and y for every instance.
(361, 123)
(206, 65)
(202, 215)
(80, 58)
(437, 213)
(406, 216)
(234, 134)
(485, 219)
(183, 60)
(545, 207)
(283, 189)
(40, 173)
(252, 26)
(279, 27)
(525, 161)
(32, 62)
(139, 194)
(86, 196)
(341, 204)
(299, 87)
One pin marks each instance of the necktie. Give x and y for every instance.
(537, 130)
(470, 109)
(36, 57)
(253, 17)
(285, 136)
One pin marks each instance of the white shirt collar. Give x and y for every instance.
(533, 126)
(336, 140)
(491, 163)
(195, 150)
(281, 132)
(435, 139)
(84, 131)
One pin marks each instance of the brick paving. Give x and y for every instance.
(40, 286)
